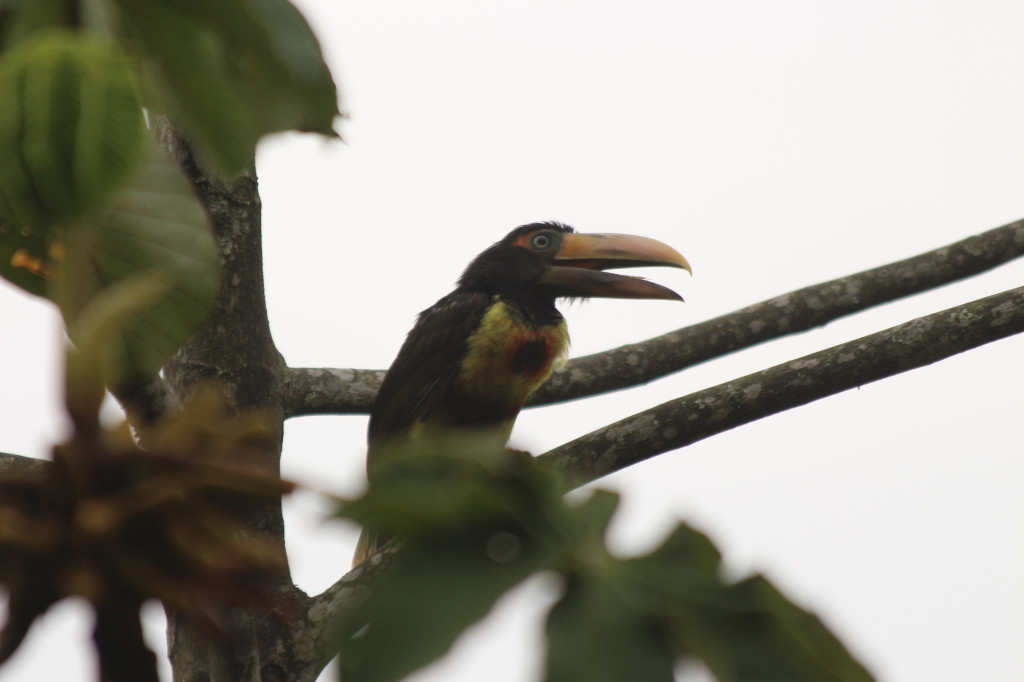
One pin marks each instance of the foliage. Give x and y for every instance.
(475, 523)
(95, 216)
(87, 198)
(117, 524)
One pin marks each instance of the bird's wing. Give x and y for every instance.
(426, 364)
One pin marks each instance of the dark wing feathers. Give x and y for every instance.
(426, 364)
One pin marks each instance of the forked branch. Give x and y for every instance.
(683, 421)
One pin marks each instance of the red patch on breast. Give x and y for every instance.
(532, 357)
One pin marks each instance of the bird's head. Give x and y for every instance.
(551, 260)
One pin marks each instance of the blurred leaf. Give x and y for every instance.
(685, 556)
(232, 71)
(596, 634)
(433, 593)
(155, 224)
(475, 523)
(751, 631)
(741, 631)
(96, 332)
(19, 19)
(71, 131)
(25, 260)
(592, 517)
(447, 487)
(460, 511)
(117, 525)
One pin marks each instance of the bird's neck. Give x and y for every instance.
(530, 310)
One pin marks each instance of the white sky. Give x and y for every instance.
(775, 145)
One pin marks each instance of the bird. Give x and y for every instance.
(473, 358)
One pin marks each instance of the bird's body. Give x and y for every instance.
(472, 362)
(474, 357)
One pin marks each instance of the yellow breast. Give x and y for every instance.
(510, 357)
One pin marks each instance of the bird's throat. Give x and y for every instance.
(507, 358)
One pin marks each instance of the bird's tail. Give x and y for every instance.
(368, 544)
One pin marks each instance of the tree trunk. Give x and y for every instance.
(233, 352)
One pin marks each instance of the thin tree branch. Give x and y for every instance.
(311, 390)
(351, 391)
(333, 615)
(20, 466)
(683, 421)
(788, 314)
(677, 423)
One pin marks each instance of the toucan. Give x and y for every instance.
(474, 357)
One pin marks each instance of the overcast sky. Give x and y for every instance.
(775, 145)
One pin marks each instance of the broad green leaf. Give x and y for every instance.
(751, 631)
(593, 516)
(154, 224)
(462, 485)
(433, 593)
(71, 131)
(741, 631)
(475, 522)
(232, 71)
(596, 634)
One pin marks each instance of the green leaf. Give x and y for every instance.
(595, 633)
(593, 516)
(155, 224)
(96, 333)
(475, 522)
(25, 260)
(433, 593)
(71, 131)
(19, 19)
(232, 71)
(433, 489)
(742, 631)
(752, 631)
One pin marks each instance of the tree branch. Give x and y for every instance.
(333, 615)
(680, 422)
(683, 421)
(20, 466)
(311, 390)
(351, 391)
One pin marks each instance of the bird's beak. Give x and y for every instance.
(576, 266)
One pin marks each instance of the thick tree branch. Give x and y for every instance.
(350, 391)
(686, 420)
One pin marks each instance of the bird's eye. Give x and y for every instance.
(541, 241)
